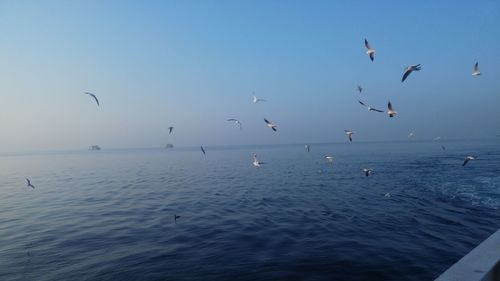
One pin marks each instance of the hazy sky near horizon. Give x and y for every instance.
(194, 64)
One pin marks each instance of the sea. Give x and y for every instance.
(110, 214)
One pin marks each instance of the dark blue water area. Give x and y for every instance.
(109, 215)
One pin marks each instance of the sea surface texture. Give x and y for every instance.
(109, 214)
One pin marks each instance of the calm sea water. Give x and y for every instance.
(109, 215)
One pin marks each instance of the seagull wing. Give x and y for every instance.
(405, 75)
(267, 121)
(92, 95)
(372, 56)
(389, 106)
(202, 149)
(232, 119)
(476, 67)
(360, 89)
(374, 109)
(367, 45)
(467, 159)
(362, 103)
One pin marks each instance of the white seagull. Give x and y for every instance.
(329, 159)
(92, 95)
(476, 71)
(256, 100)
(349, 134)
(236, 122)
(28, 182)
(370, 52)
(256, 162)
(367, 171)
(409, 70)
(468, 158)
(270, 124)
(411, 135)
(308, 147)
(390, 111)
(369, 107)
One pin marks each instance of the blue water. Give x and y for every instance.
(108, 215)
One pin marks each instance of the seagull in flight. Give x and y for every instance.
(388, 194)
(329, 159)
(390, 111)
(443, 147)
(236, 122)
(176, 217)
(436, 138)
(256, 100)
(92, 95)
(256, 162)
(349, 134)
(369, 107)
(308, 147)
(270, 124)
(170, 129)
(476, 71)
(411, 135)
(367, 171)
(409, 70)
(360, 89)
(468, 158)
(203, 150)
(370, 52)
(28, 182)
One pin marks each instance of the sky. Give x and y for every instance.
(194, 64)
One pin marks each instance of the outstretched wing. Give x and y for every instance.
(367, 45)
(374, 109)
(389, 106)
(405, 75)
(362, 103)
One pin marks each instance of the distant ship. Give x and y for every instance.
(94, 147)
(169, 145)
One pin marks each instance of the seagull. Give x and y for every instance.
(92, 95)
(203, 150)
(369, 107)
(370, 52)
(256, 162)
(390, 111)
(388, 194)
(409, 70)
(443, 147)
(270, 124)
(368, 171)
(308, 147)
(236, 122)
(468, 158)
(411, 135)
(176, 217)
(28, 182)
(170, 129)
(329, 159)
(349, 134)
(436, 138)
(476, 71)
(256, 100)
(360, 89)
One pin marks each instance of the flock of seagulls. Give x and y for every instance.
(329, 158)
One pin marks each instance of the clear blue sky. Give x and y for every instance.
(193, 64)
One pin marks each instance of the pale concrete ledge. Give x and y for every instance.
(481, 264)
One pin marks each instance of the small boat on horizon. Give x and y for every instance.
(94, 147)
